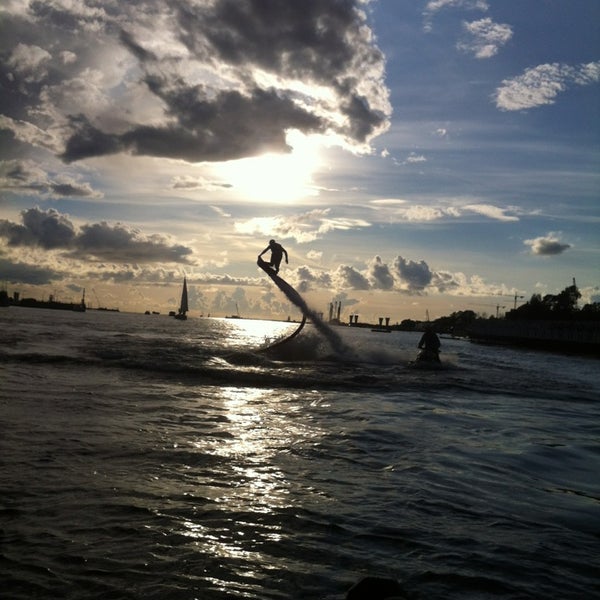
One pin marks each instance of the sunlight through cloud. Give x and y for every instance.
(275, 177)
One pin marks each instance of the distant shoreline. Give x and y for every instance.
(582, 337)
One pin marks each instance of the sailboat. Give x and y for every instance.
(183, 305)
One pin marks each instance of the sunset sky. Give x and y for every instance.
(411, 156)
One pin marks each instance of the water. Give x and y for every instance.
(144, 457)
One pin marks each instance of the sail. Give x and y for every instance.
(183, 306)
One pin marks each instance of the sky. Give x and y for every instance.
(414, 157)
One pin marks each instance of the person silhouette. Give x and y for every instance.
(430, 345)
(277, 252)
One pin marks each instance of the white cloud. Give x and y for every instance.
(394, 210)
(314, 255)
(484, 37)
(304, 227)
(548, 245)
(434, 6)
(421, 213)
(492, 212)
(540, 85)
(414, 158)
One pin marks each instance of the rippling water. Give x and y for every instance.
(144, 457)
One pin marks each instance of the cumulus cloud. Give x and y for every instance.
(414, 276)
(209, 81)
(541, 85)
(379, 275)
(51, 230)
(403, 275)
(548, 245)
(484, 38)
(348, 277)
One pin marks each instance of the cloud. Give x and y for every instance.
(46, 229)
(26, 176)
(541, 85)
(28, 61)
(314, 255)
(434, 6)
(379, 275)
(414, 158)
(16, 271)
(303, 227)
(196, 81)
(492, 212)
(394, 210)
(189, 183)
(28, 133)
(415, 276)
(549, 245)
(421, 213)
(347, 277)
(51, 230)
(484, 37)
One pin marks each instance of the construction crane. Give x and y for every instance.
(498, 307)
(515, 296)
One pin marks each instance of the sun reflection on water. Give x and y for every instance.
(250, 491)
(254, 333)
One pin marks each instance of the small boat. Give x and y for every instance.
(183, 305)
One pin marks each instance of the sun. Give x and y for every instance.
(275, 177)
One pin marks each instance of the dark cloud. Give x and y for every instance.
(198, 183)
(379, 275)
(230, 126)
(52, 230)
(121, 243)
(26, 176)
(415, 275)
(305, 279)
(88, 141)
(348, 277)
(45, 229)
(18, 272)
(197, 81)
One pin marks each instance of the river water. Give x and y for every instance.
(144, 457)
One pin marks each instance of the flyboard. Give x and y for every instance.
(293, 296)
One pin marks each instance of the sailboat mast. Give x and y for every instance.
(183, 307)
